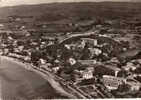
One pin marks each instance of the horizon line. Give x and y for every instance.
(70, 2)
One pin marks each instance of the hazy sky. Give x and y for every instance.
(19, 2)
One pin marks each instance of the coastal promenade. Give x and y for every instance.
(19, 83)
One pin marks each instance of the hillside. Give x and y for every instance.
(75, 11)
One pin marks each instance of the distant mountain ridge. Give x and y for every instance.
(74, 11)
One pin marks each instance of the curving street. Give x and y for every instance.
(18, 83)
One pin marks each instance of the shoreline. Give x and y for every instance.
(44, 74)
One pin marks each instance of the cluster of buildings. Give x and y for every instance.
(94, 64)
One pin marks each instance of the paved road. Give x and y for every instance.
(17, 83)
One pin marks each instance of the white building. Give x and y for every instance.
(95, 51)
(112, 82)
(88, 74)
(72, 61)
(67, 46)
(42, 61)
(55, 69)
(134, 85)
(129, 66)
